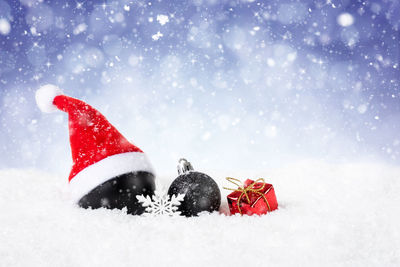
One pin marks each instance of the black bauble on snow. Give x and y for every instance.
(120, 192)
(201, 191)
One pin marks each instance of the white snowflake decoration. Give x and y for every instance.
(161, 203)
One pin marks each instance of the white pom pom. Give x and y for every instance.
(45, 97)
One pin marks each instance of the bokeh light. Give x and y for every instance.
(228, 84)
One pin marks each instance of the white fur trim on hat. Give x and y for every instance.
(45, 97)
(106, 169)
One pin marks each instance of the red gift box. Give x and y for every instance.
(253, 197)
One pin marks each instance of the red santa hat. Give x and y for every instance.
(99, 151)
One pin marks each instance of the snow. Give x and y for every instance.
(228, 84)
(291, 58)
(292, 13)
(157, 36)
(5, 27)
(345, 20)
(162, 19)
(329, 215)
(350, 36)
(80, 28)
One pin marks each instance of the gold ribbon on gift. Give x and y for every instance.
(244, 190)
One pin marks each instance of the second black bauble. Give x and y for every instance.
(201, 191)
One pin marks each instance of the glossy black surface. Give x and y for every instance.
(120, 192)
(201, 193)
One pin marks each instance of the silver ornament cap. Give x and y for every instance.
(184, 166)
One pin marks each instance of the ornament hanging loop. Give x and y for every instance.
(184, 166)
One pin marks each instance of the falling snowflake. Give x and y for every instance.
(162, 19)
(161, 203)
(157, 36)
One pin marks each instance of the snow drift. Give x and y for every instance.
(329, 215)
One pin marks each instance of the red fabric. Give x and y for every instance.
(92, 137)
(257, 204)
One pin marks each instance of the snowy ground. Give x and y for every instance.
(329, 215)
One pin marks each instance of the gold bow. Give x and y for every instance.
(245, 190)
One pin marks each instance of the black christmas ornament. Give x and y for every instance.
(201, 191)
(120, 192)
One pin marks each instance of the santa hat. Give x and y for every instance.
(99, 151)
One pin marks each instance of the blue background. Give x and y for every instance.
(232, 85)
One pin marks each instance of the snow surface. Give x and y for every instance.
(329, 215)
